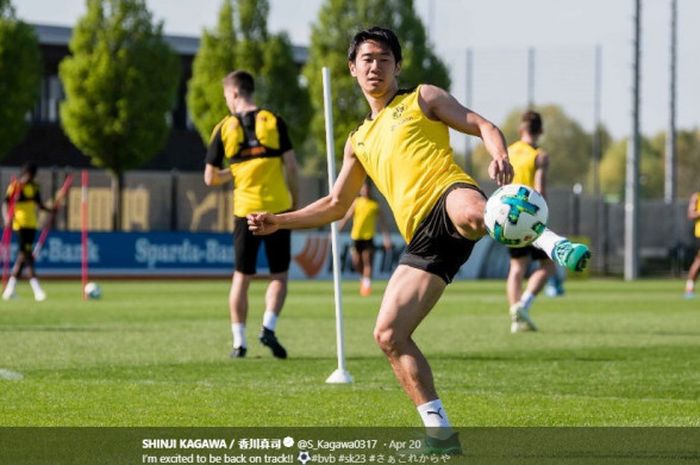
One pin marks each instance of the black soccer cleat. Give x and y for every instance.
(238, 352)
(269, 339)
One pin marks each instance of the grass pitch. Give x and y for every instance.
(155, 353)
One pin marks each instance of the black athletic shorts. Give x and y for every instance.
(361, 245)
(245, 244)
(436, 246)
(26, 239)
(529, 251)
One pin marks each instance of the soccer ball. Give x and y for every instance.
(515, 215)
(93, 291)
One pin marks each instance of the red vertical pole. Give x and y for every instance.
(84, 229)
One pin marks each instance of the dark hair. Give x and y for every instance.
(29, 168)
(241, 80)
(531, 122)
(382, 35)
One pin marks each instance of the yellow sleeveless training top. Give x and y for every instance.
(409, 159)
(697, 222)
(364, 219)
(523, 157)
(26, 203)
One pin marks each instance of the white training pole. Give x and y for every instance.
(340, 375)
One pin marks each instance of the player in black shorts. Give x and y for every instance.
(530, 164)
(403, 147)
(366, 215)
(27, 200)
(255, 145)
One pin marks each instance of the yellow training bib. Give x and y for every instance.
(364, 219)
(523, 157)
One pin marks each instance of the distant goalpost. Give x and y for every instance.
(341, 374)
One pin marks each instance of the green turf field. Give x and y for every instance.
(155, 353)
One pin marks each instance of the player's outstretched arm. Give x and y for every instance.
(215, 176)
(438, 104)
(347, 216)
(323, 211)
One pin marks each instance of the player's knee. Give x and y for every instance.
(472, 224)
(280, 279)
(386, 339)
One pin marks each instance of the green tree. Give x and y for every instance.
(338, 21)
(613, 169)
(420, 64)
(20, 76)
(568, 144)
(241, 41)
(652, 169)
(120, 83)
(252, 19)
(688, 170)
(687, 159)
(284, 95)
(215, 58)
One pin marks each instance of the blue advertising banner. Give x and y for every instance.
(140, 253)
(185, 254)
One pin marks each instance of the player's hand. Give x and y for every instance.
(501, 171)
(261, 224)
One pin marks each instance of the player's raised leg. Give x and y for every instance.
(571, 255)
(410, 295)
(465, 208)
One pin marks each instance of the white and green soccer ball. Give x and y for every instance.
(515, 215)
(93, 290)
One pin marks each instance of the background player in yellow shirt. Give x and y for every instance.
(255, 144)
(403, 146)
(24, 223)
(694, 216)
(366, 214)
(530, 164)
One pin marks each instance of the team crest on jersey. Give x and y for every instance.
(398, 111)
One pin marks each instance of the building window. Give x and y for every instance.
(51, 95)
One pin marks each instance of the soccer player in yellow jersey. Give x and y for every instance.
(255, 144)
(694, 216)
(27, 198)
(530, 165)
(366, 214)
(403, 146)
